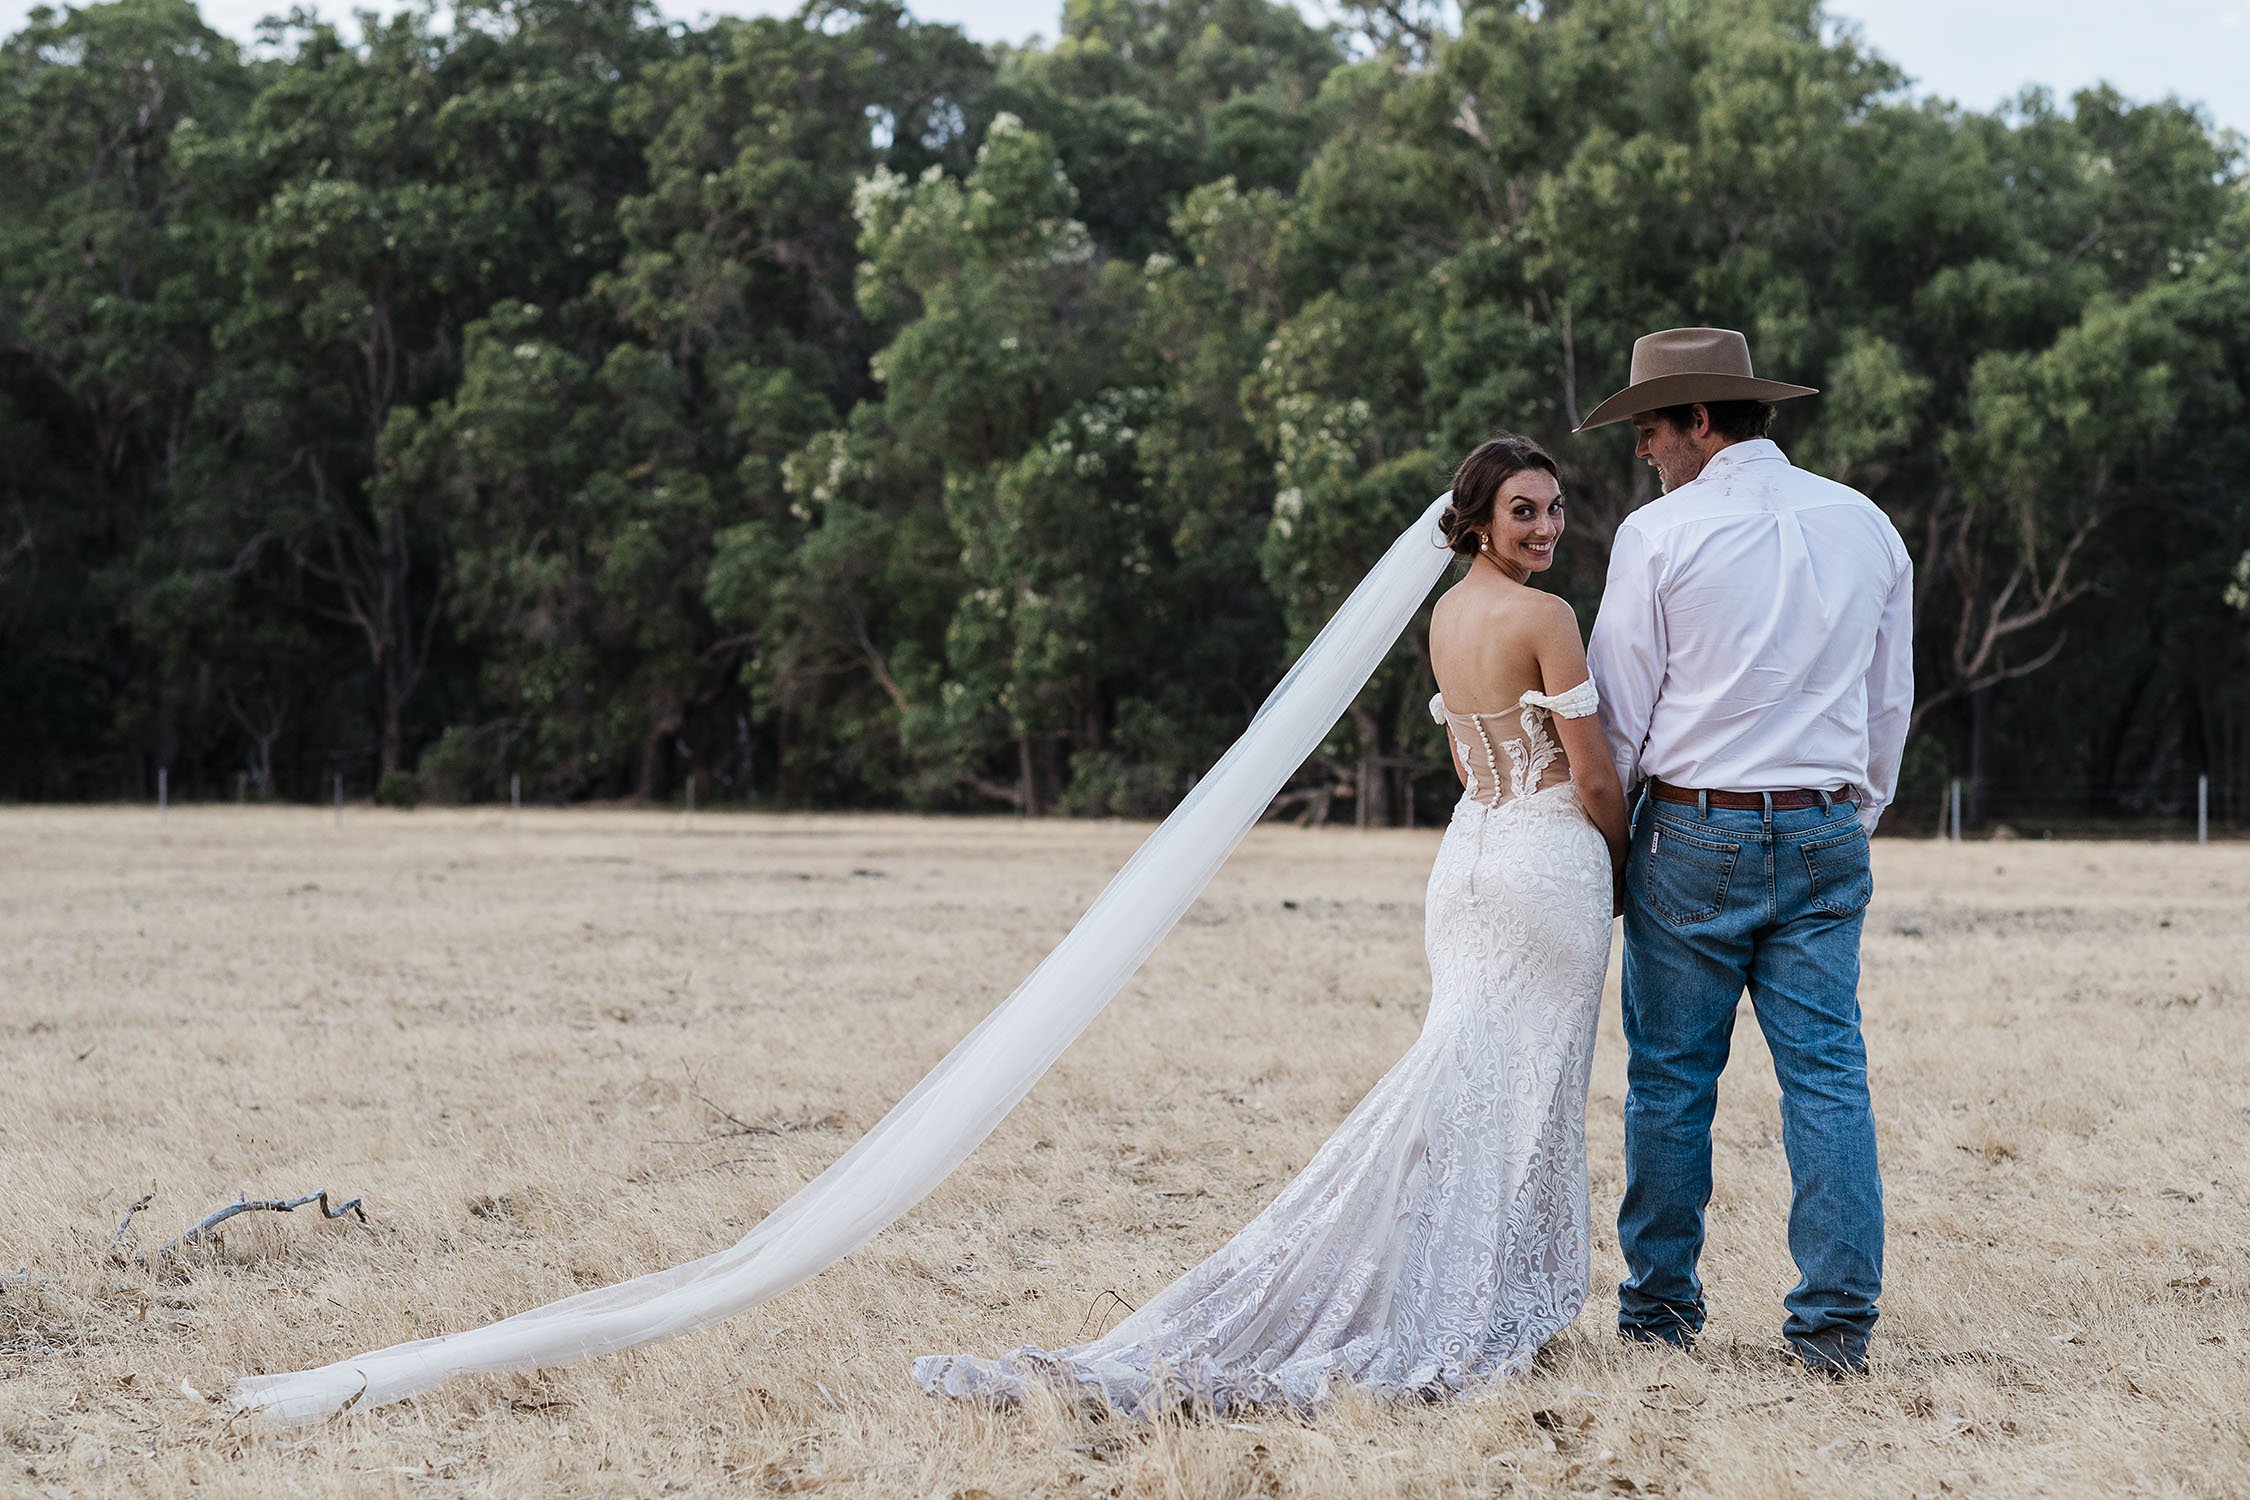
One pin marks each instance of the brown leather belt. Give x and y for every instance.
(1789, 801)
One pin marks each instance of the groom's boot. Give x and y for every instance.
(1677, 1334)
(1835, 1352)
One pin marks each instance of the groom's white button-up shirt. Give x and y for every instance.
(1756, 634)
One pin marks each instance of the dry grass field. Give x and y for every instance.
(555, 1055)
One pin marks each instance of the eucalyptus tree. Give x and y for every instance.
(739, 275)
(111, 256)
(392, 192)
(1009, 323)
(1146, 100)
(828, 407)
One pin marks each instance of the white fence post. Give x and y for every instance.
(1956, 799)
(163, 790)
(515, 801)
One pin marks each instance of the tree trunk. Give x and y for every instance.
(648, 785)
(1047, 771)
(1092, 736)
(390, 709)
(2196, 738)
(782, 786)
(653, 782)
(1980, 733)
(2107, 774)
(1027, 778)
(1374, 789)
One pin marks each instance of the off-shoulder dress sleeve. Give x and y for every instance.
(1574, 703)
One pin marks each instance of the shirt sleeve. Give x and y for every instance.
(1625, 652)
(1890, 694)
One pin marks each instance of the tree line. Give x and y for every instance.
(837, 412)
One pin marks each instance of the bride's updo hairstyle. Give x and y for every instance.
(1476, 485)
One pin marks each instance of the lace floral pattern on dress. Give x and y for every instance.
(1442, 1235)
(1532, 757)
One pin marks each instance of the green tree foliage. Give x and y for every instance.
(832, 411)
(113, 273)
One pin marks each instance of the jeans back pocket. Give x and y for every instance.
(1684, 878)
(1842, 880)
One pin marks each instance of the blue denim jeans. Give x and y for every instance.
(1719, 900)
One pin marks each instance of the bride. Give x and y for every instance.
(1440, 1237)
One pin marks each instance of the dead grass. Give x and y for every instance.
(557, 1056)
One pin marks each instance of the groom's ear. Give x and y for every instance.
(1699, 421)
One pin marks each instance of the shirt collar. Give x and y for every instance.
(1750, 451)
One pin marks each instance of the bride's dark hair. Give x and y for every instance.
(1476, 484)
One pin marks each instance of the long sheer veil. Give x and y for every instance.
(935, 1127)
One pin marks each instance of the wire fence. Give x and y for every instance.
(2191, 809)
(2196, 809)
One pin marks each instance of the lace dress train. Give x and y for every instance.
(1441, 1236)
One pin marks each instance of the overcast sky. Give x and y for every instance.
(1976, 52)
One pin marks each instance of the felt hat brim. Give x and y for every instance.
(1686, 388)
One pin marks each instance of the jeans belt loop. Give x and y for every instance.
(1768, 796)
(1702, 803)
(1827, 803)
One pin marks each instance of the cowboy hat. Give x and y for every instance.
(1684, 365)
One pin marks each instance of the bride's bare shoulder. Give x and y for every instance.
(1475, 601)
(1464, 599)
(1548, 611)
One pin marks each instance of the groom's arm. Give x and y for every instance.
(1890, 694)
(1625, 652)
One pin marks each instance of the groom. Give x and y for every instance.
(1755, 661)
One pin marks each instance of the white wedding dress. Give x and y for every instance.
(1435, 1244)
(1441, 1236)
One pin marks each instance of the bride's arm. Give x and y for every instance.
(1598, 791)
(1562, 666)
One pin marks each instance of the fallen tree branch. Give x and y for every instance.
(127, 1222)
(248, 1205)
(741, 1126)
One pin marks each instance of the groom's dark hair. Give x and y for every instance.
(1476, 484)
(1736, 421)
